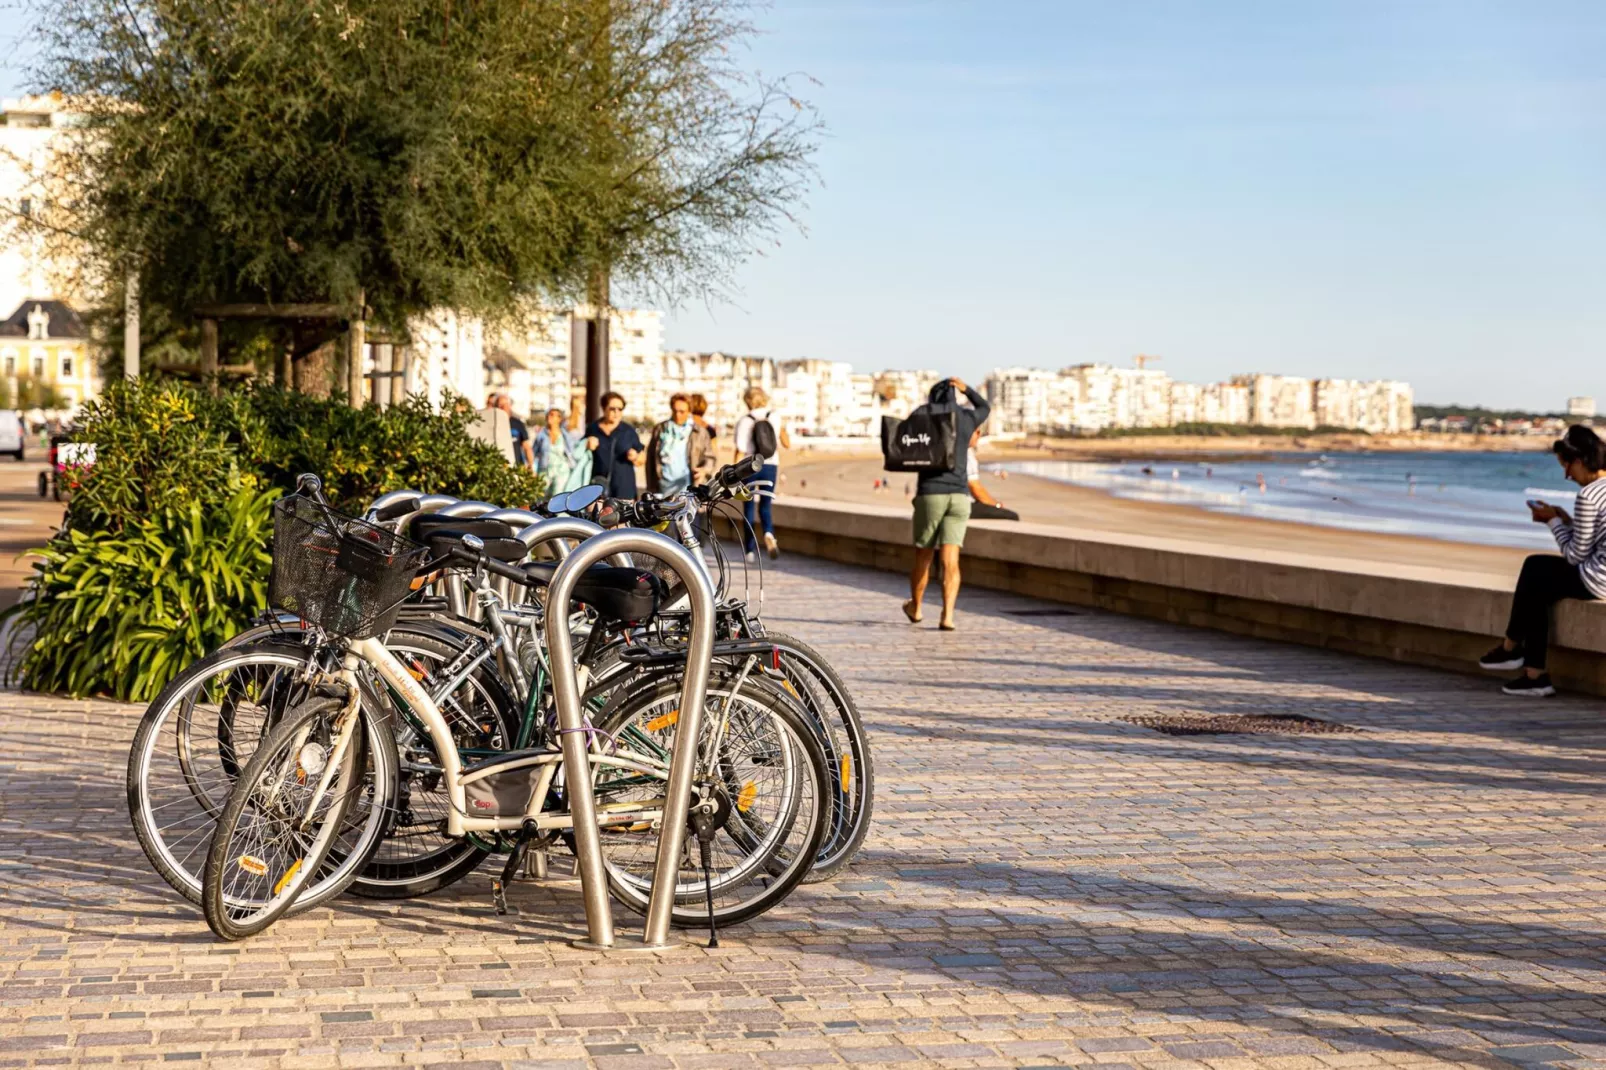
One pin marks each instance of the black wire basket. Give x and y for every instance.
(339, 573)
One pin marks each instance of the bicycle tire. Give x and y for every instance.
(852, 821)
(761, 889)
(272, 785)
(390, 877)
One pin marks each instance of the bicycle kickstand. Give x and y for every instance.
(509, 871)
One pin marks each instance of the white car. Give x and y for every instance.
(13, 433)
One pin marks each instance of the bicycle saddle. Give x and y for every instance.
(421, 527)
(498, 548)
(625, 595)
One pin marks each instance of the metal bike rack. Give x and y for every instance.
(683, 755)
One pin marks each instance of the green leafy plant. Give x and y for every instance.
(120, 612)
(165, 551)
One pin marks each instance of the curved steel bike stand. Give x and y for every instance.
(683, 754)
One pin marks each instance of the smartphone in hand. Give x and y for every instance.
(1535, 503)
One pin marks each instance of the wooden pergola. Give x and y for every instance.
(356, 336)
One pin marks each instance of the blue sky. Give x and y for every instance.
(1415, 190)
(1357, 188)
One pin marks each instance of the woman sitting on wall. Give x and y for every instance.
(1580, 571)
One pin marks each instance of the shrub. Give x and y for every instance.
(164, 554)
(120, 612)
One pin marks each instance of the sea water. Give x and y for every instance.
(1463, 497)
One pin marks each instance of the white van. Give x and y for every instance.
(13, 433)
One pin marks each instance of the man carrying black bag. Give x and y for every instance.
(942, 502)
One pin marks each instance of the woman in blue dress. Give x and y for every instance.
(617, 450)
(561, 455)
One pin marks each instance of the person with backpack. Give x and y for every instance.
(942, 500)
(757, 433)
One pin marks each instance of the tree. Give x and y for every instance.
(482, 156)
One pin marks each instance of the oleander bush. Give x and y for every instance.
(164, 554)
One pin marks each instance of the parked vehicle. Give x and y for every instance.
(13, 434)
(65, 461)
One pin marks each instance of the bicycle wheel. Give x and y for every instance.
(285, 817)
(768, 782)
(847, 752)
(191, 743)
(416, 857)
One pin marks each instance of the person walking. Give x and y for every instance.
(679, 453)
(613, 462)
(942, 502)
(699, 413)
(1580, 571)
(561, 455)
(523, 455)
(757, 433)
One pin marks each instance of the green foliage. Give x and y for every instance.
(362, 453)
(472, 156)
(165, 552)
(157, 447)
(120, 612)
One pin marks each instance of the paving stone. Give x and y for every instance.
(1044, 885)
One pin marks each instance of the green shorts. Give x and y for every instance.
(940, 519)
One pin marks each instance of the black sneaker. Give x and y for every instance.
(1500, 659)
(1531, 686)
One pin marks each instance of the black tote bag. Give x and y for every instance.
(921, 442)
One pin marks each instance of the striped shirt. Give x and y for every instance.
(1583, 542)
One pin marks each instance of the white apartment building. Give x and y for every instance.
(1187, 402)
(1279, 400)
(447, 355)
(1386, 407)
(1021, 399)
(42, 337)
(540, 366)
(1224, 403)
(1582, 408)
(1338, 402)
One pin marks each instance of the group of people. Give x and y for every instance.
(680, 451)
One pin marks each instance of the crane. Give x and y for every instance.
(1143, 360)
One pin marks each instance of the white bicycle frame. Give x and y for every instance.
(577, 757)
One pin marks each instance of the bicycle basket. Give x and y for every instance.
(337, 572)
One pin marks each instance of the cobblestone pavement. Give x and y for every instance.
(1045, 884)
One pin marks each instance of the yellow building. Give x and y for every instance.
(46, 342)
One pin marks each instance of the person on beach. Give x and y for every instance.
(618, 448)
(1580, 571)
(679, 453)
(942, 503)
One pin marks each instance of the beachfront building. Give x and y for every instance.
(1224, 403)
(540, 364)
(1338, 402)
(1581, 408)
(1279, 400)
(1386, 407)
(1187, 403)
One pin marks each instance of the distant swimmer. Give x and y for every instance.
(1176, 473)
(1260, 480)
(1147, 470)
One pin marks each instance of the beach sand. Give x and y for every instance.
(1046, 501)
